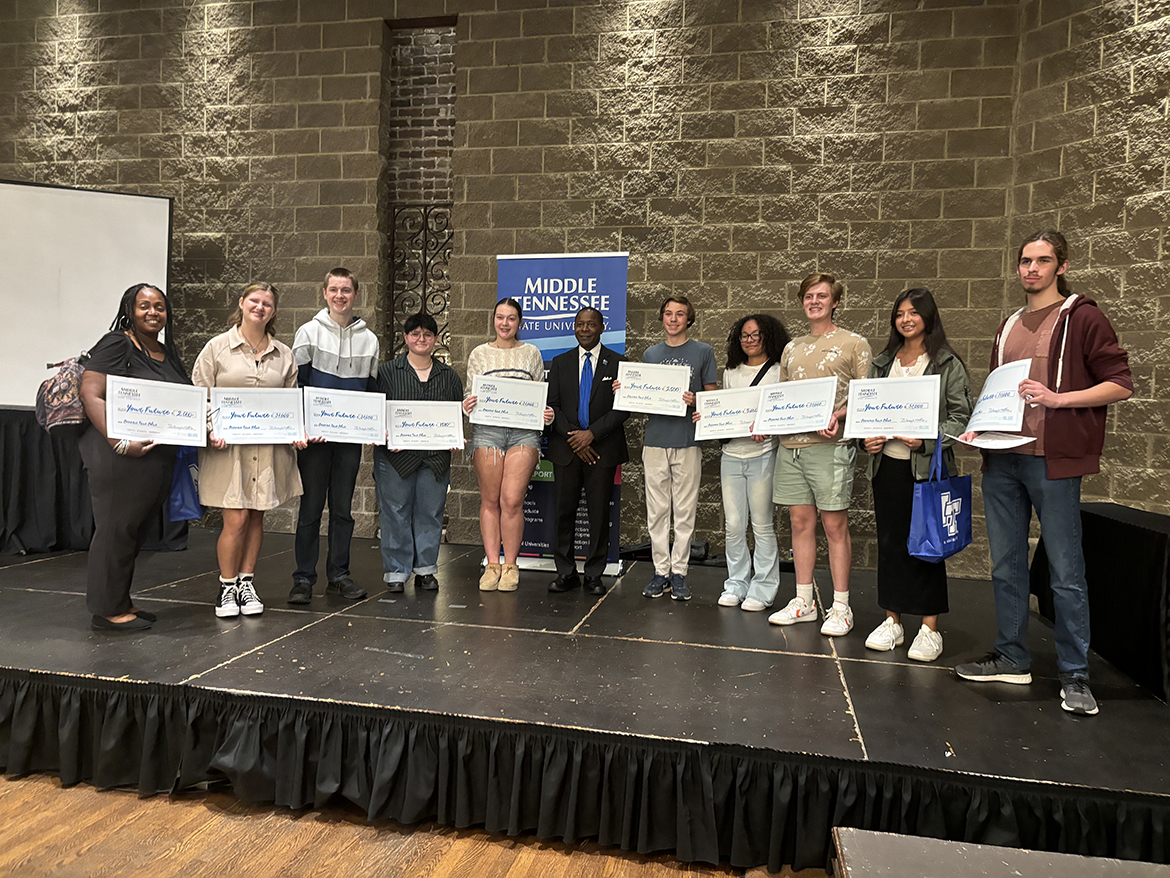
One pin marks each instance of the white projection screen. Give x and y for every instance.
(66, 257)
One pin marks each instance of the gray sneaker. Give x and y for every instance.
(993, 668)
(1075, 696)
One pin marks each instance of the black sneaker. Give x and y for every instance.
(301, 593)
(1075, 696)
(347, 588)
(678, 588)
(396, 587)
(426, 581)
(993, 668)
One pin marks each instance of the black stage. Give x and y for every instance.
(653, 725)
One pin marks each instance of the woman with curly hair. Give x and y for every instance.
(746, 468)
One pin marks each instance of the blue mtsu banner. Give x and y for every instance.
(551, 289)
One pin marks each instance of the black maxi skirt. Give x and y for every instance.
(905, 584)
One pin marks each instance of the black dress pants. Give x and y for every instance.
(127, 493)
(597, 480)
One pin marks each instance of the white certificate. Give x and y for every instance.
(652, 388)
(796, 406)
(906, 407)
(170, 414)
(996, 441)
(1000, 406)
(508, 402)
(345, 415)
(425, 426)
(257, 415)
(727, 414)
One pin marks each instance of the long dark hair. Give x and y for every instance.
(935, 337)
(124, 322)
(1059, 249)
(773, 336)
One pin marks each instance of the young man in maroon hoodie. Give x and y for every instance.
(1077, 369)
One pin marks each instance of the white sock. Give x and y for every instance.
(246, 578)
(841, 598)
(223, 583)
(805, 592)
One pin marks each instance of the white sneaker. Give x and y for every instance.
(838, 621)
(886, 636)
(249, 604)
(728, 599)
(752, 605)
(927, 646)
(228, 607)
(796, 611)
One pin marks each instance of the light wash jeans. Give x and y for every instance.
(410, 512)
(1013, 485)
(747, 493)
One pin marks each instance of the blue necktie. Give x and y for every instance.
(583, 395)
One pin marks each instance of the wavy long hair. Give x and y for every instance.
(773, 336)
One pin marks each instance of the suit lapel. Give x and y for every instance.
(603, 355)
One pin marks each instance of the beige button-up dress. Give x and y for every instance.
(246, 476)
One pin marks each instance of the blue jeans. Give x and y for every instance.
(747, 493)
(410, 511)
(1012, 486)
(328, 470)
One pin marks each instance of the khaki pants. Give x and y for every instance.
(672, 484)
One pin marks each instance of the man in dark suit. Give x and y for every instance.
(587, 443)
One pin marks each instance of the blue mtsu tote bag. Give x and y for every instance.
(940, 524)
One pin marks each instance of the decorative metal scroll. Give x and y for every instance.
(421, 249)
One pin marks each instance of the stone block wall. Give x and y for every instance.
(731, 147)
(1090, 146)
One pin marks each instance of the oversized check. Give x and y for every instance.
(508, 402)
(345, 415)
(1000, 406)
(906, 407)
(652, 388)
(425, 426)
(257, 415)
(170, 414)
(727, 414)
(796, 406)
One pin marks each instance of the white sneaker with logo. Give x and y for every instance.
(886, 636)
(927, 646)
(797, 610)
(838, 621)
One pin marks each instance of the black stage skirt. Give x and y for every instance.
(905, 584)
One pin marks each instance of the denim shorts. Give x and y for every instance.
(503, 438)
(819, 475)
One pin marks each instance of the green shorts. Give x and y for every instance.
(820, 475)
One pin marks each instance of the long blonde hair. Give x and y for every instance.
(237, 316)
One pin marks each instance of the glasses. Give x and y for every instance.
(420, 335)
(749, 336)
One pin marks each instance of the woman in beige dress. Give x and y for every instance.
(246, 480)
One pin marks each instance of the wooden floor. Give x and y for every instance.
(82, 831)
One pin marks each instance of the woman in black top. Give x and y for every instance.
(128, 481)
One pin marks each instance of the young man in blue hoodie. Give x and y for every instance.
(337, 350)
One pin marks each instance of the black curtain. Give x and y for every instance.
(702, 802)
